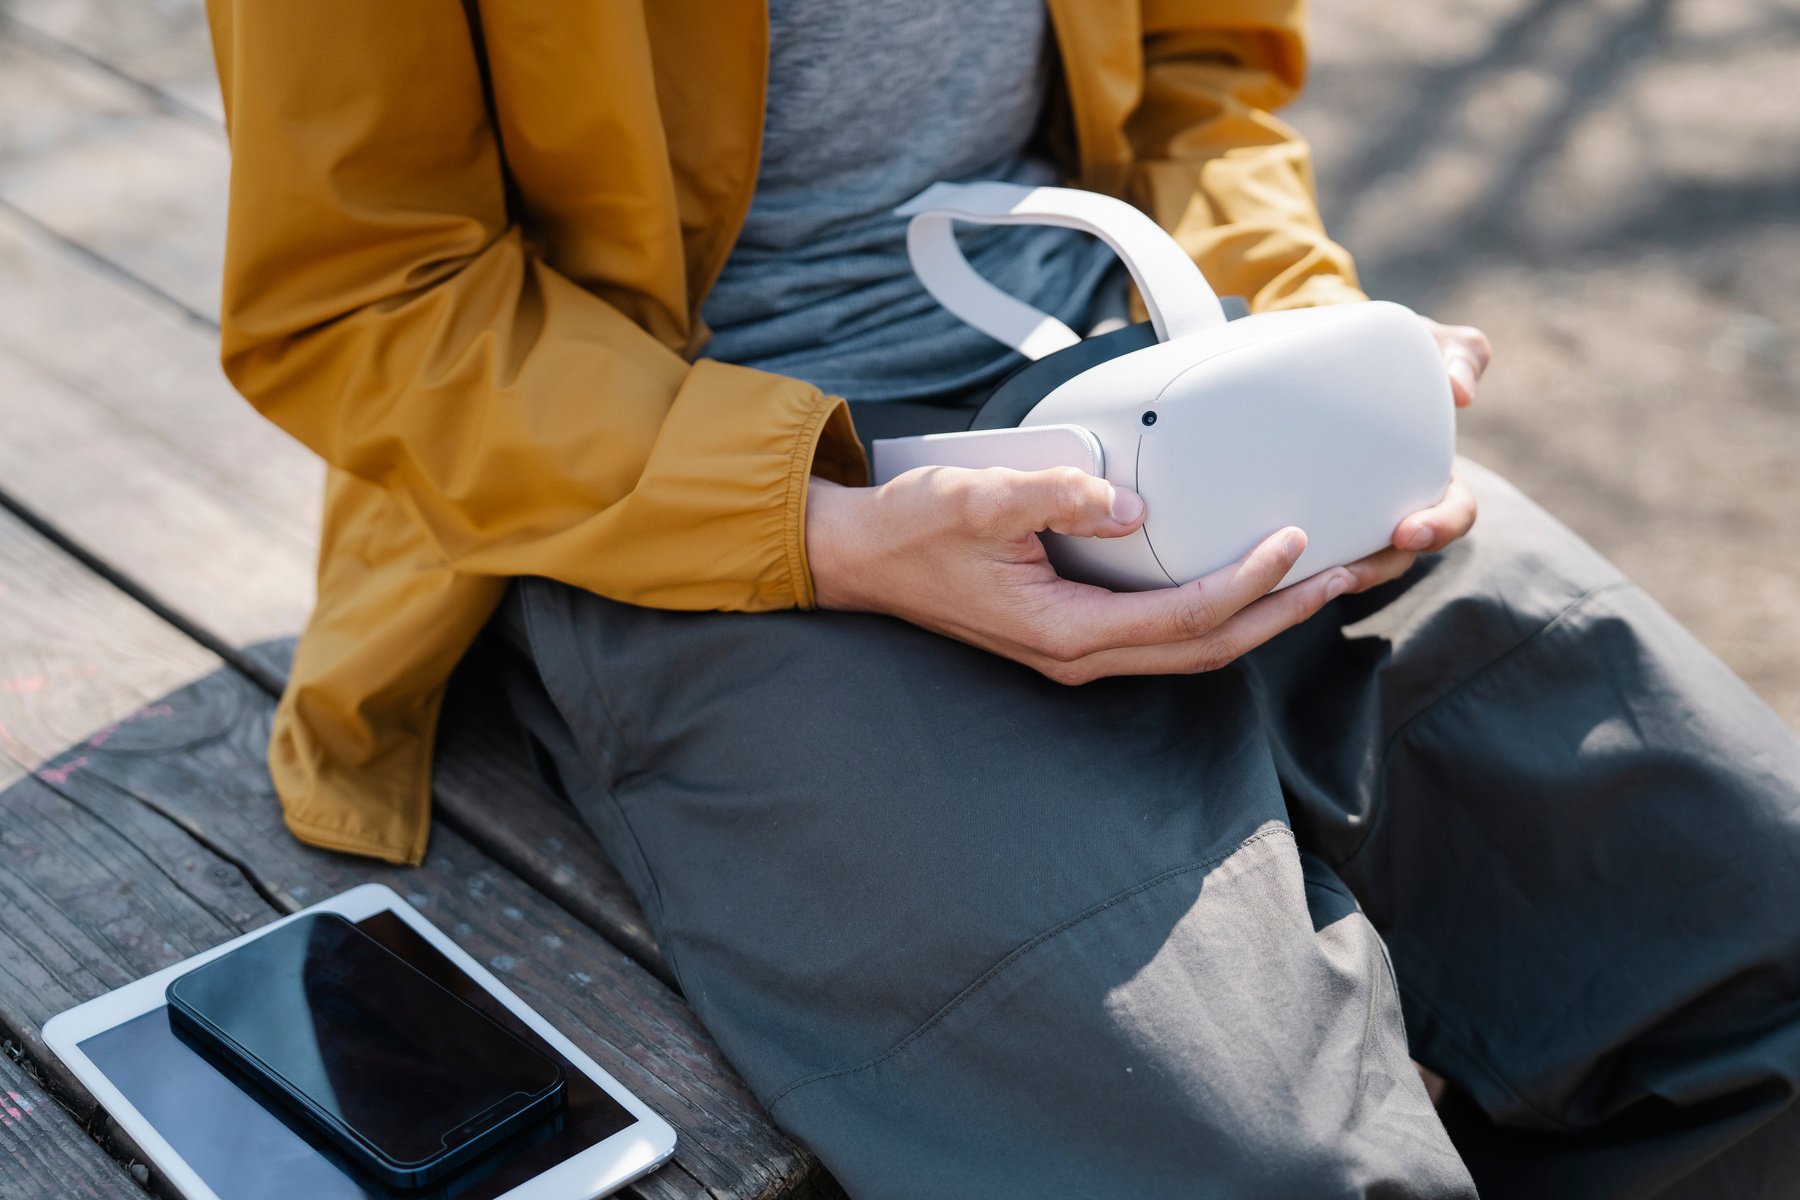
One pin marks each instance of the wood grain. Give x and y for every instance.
(160, 45)
(85, 154)
(44, 1153)
(77, 658)
(121, 431)
(157, 833)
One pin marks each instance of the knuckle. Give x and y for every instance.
(978, 503)
(1201, 615)
(1070, 488)
(1220, 651)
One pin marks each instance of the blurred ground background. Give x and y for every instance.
(1611, 188)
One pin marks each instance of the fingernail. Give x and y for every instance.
(1293, 544)
(1338, 584)
(1127, 505)
(1463, 371)
(1420, 539)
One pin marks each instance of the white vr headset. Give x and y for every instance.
(1336, 419)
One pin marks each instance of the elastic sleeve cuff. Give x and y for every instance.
(827, 447)
(716, 518)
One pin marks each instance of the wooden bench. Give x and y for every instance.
(156, 544)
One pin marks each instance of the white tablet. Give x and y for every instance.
(215, 1141)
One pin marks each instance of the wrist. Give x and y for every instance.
(831, 538)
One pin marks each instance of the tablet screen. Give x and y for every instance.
(244, 1149)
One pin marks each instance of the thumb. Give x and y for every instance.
(1069, 500)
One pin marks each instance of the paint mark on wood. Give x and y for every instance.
(105, 735)
(15, 1109)
(25, 685)
(60, 775)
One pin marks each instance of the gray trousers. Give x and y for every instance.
(969, 933)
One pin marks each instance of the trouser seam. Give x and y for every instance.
(1019, 952)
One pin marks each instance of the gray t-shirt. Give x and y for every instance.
(868, 104)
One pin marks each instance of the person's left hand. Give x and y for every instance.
(1466, 353)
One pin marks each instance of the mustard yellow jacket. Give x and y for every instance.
(468, 248)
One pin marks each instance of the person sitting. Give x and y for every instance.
(988, 882)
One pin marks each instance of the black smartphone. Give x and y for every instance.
(404, 1077)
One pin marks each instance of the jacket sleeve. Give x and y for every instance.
(382, 307)
(1213, 166)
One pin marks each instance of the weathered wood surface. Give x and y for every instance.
(75, 656)
(109, 167)
(112, 210)
(155, 834)
(205, 505)
(158, 45)
(44, 1153)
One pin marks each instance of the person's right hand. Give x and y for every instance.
(957, 552)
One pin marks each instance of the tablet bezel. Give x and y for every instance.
(629, 1154)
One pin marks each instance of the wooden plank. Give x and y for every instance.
(158, 44)
(74, 658)
(156, 833)
(147, 515)
(97, 896)
(143, 365)
(44, 1153)
(121, 431)
(65, 126)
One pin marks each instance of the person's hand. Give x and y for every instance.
(1466, 353)
(957, 552)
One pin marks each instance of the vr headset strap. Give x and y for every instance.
(1179, 299)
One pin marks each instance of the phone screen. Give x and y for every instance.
(384, 1059)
